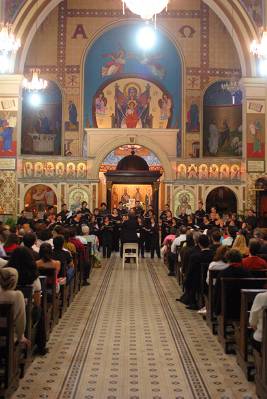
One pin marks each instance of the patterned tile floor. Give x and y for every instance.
(125, 337)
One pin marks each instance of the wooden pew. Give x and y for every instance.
(77, 273)
(178, 265)
(46, 309)
(242, 333)
(30, 330)
(9, 352)
(261, 363)
(230, 315)
(52, 295)
(211, 318)
(87, 262)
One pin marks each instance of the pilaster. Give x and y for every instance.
(254, 136)
(10, 113)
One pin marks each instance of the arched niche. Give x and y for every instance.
(41, 128)
(222, 122)
(116, 55)
(38, 197)
(223, 198)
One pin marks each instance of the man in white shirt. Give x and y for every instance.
(179, 239)
(256, 318)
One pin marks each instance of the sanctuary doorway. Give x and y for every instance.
(133, 180)
(224, 200)
(130, 193)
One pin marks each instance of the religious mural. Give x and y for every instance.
(11, 8)
(132, 103)
(76, 197)
(222, 124)
(132, 88)
(72, 124)
(131, 193)
(70, 170)
(256, 136)
(41, 122)
(8, 124)
(255, 9)
(184, 199)
(113, 158)
(39, 197)
(192, 115)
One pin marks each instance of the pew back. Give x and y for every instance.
(9, 371)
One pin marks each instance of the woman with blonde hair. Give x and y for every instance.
(241, 245)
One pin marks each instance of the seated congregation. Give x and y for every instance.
(219, 263)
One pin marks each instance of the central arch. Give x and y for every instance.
(140, 140)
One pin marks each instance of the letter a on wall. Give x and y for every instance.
(79, 31)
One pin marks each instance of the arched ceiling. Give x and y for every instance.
(231, 13)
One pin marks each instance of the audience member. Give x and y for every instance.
(256, 319)
(253, 261)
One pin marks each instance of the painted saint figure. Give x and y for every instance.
(192, 124)
(255, 130)
(100, 104)
(116, 65)
(213, 138)
(165, 104)
(42, 124)
(132, 110)
(72, 113)
(125, 197)
(6, 132)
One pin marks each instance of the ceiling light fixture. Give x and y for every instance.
(147, 9)
(35, 83)
(9, 45)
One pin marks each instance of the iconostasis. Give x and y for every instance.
(130, 193)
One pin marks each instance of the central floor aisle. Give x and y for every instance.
(125, 337)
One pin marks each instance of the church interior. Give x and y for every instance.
(153, 108)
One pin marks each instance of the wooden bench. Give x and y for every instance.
(211, 318)
(261, 363)
(178, 265)
(230, 315)
(46, 309)
(30, 330)
(9, 352)
(243, 332)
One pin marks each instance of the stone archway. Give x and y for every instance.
(139, 140)
(223, 198)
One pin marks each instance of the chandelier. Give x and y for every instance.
(9, 45)
(147, 9)
(260, 49)
(35, 83)
(8, 42)
(232, 86)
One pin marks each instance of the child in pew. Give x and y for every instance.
(256, 319)
(8, 294)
